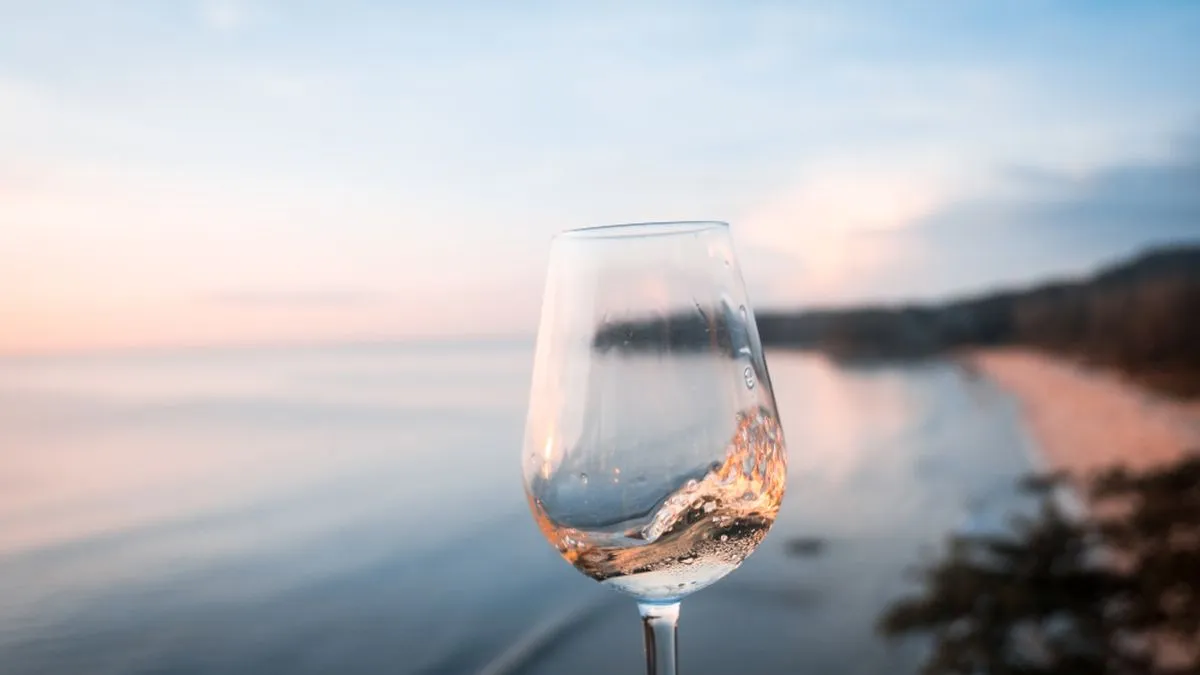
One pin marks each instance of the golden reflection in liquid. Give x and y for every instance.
(743, 494)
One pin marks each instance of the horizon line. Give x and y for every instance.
(284, 344)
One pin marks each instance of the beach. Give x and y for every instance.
(1085, 419)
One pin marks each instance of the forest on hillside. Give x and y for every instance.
(1140, 316)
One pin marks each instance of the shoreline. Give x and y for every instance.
(1085, 420)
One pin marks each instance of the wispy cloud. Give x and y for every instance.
(1136, 198)
(1045, 224)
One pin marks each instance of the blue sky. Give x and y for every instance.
(225, 171)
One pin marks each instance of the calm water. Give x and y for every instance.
(359, 510)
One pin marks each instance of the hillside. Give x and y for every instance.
(1141, 316)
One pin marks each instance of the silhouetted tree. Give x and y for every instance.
(1117, 594)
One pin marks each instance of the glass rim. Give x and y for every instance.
(663, 228)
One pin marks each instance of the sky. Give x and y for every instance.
(239, 171)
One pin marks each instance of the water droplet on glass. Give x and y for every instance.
(690, 485)
(583, 478)
(744, 314)
(724, 537)
(748, 373)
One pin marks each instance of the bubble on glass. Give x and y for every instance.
(583, 478)
(724, 537)
(748, 374)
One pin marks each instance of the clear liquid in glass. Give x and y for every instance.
(699, 533)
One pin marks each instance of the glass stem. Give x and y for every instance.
(658, 623)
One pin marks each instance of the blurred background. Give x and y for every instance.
(271, 272)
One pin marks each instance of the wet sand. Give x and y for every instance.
(1084, 419)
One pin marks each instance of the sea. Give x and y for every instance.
(358, 509)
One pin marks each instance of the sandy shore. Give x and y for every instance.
(1084, 420)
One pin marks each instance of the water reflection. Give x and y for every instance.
(277, 512)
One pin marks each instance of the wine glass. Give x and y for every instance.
(654, 460)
